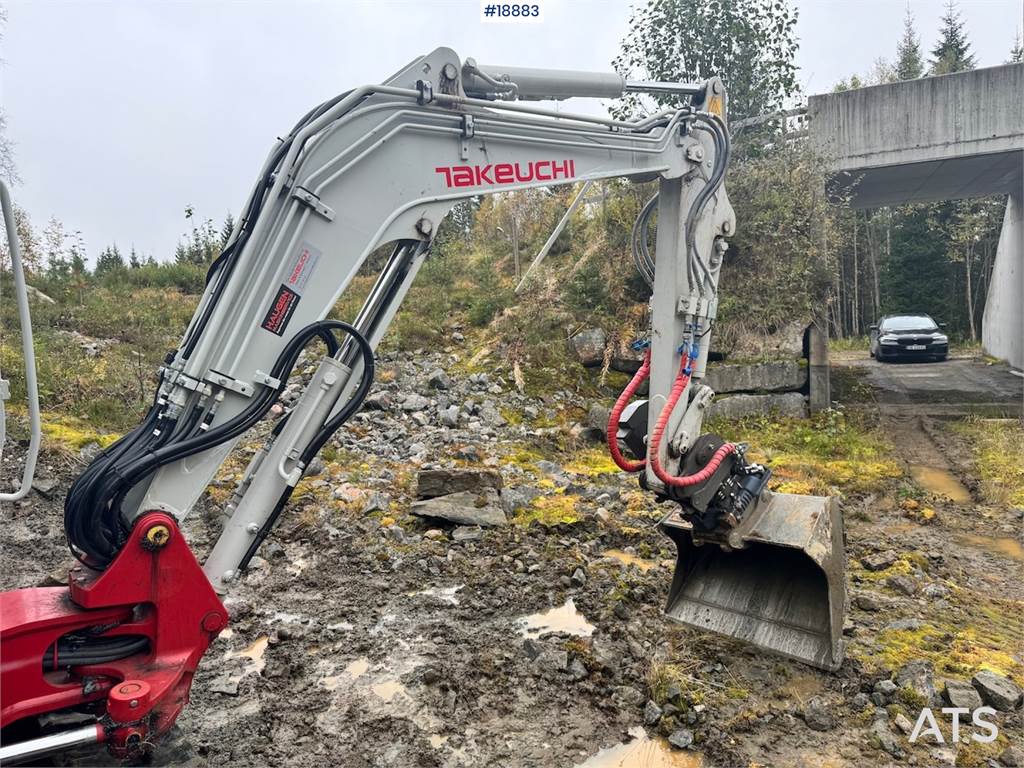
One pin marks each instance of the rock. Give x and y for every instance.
(44, 486)
(519, 497)
(817, 716)
(225, 684)
(376, 502)
(577, 670)
(490, 415)
(458, 337)
(588, 346)
(886, 688)
(935, 591)
(997, 691)
(315, 467)
(628, 359)
(36, 295)
(886, 739)
(348, 493)
(90, 451)
(775, 376)
(859, 701)
(943, 756)
(652, 713)
(961, 694)
(905, 625)
(868, 602)
(785, 341)
(442, 482)
(420, 419)
(551, 661)
(450, 416)
(415, 402)
(438, 379)
(377, 401)
(903, 723)
(578, 578)
(464, 508)
(681, 738)
(597, 419)
(903, 584)
(434, 534)
(918, 676)
(1012, 756)
(628, 696)
(879, 561)
(464, 533)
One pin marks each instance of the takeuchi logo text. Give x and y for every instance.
(506, 173)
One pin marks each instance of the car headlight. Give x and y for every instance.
(887, 339)
(940, 338)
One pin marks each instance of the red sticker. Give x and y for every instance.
(281, 311)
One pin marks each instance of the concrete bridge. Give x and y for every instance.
(939, 138)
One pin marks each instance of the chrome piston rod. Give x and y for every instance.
(45, 745)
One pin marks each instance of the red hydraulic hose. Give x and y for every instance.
(659, 431)
(613, 418)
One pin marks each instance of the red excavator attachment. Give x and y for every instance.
(121, 645)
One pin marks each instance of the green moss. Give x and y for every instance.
(550, 510)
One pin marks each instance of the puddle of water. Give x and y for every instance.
(386, 690)
(565, 620)
(1002, 545)
(444, 595)
(940, 481)
(628, 559)
(803, 687)
(254, 653)
(353, 671)
(641, 751)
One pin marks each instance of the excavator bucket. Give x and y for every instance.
(779, 584)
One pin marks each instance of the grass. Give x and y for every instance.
(995, 447)
(831, 453)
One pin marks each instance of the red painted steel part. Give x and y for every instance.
(153, 588)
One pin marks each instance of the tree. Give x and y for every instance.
(1017, 52)
(201, 245)
(909, 62)
(750, 44)
(952, 52)
(109, 261)
(133, 259)
(226, 229)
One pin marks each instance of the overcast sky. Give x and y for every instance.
(125, 112)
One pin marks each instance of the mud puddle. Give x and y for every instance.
(641, 751)
(1000, 545)
(564, 620)
(353, 671)
(628, 559)
(941, 482)
(254, 653)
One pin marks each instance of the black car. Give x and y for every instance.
(908, 337)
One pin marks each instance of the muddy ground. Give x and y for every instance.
(365, 636)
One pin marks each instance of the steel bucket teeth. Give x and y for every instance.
(782, 586)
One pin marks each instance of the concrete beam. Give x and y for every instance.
(979, 112)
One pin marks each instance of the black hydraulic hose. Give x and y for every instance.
(323, 435)
(120, 480)
(96, 651)
(717, 130)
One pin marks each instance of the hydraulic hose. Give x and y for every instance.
(684, 481)
(626, 465)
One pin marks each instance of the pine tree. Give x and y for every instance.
(109, 260)
(1017, 52)
(909, 62)
(952, 52)
(133, 259)
(226, 229)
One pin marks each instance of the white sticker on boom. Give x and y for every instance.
(302, 267)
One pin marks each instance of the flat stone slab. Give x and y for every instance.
(997, 691)
(441, 482)
(465, 508)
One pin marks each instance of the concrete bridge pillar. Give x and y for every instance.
(1002, 332)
